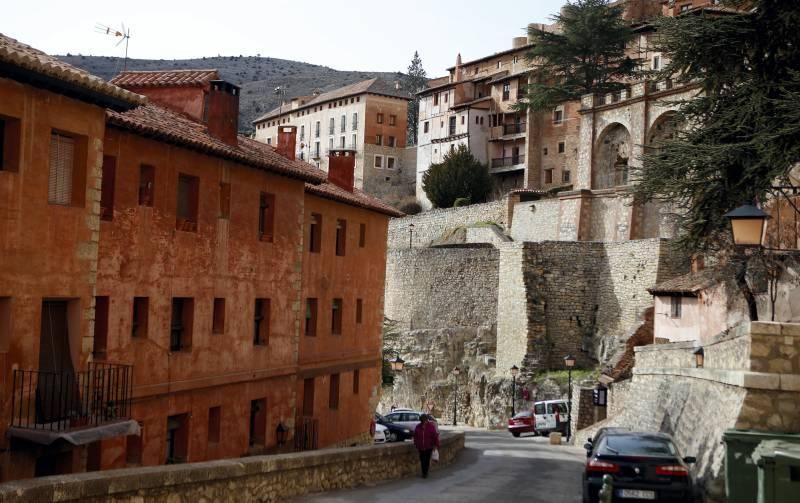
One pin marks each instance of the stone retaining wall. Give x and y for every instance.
(259, 478)
(432, 225)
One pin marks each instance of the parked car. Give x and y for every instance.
(594, 441)
(644, 466)
(522, 423)
(394, 432)
(550, 416)
(381, 434)
(408, 418)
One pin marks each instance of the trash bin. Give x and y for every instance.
(741, 474)
(778, 465)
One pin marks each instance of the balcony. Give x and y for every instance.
(47, 405)
(507, 162)
(349, 146)
(508, 131)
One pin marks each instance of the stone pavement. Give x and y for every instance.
(494, 467)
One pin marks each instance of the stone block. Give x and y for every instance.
(555, 438)
(765, 328)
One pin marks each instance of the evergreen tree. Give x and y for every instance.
(416, 82)
(586, 56)
(459, 176)
(741, 133)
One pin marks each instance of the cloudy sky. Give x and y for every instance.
(345, 34)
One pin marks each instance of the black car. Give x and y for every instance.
(643, 467)
(395, 432)
(591, 442)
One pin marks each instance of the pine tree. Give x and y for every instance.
(586, 56)
(741, 133)
(416, 81)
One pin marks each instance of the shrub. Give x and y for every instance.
(410, 208)
(459, 176)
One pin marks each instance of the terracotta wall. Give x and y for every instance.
(189, 100)
(386, 106)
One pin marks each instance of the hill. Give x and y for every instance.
(258, 77)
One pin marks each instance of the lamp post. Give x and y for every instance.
(514, 372)
(456, 371)
(281, 432)
(699, 358)
(398, 363)
(410, 235)
(747, 225)
(569, 361)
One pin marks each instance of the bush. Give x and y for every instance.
(410, 208)
(459, 176)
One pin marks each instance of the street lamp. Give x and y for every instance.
(514, 372)
(569, 361)
(747, 225)
(410, 234)
(280, 433)
(397, 363)
(699, 358)
(456, 371)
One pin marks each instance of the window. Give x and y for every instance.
(333, 398)
(390, 163)
(548, 176)
(477, 119)
(379, 119)
(186, 211)
(463, 119)
(445, 96)
(359, 310)
(5, 323)
(354, 143)
(378, 139)
(426, 127)
(214, 420)
(516, 59)
(343, 125)
(341, 142)
(302, 133)
(100, 327)
(356, 379)
(266, 217)
(224, 200)
(362, 235)
(140, 317)
(392, 120)
(147, 182)
(341, 237)
(686, 7)
(336, 317)
(269, 140)
(9, 143)
(544, 151)
(107, 188)
(261, 322)
(506, 90)
(331, 125)
(452, 124)
(64, 170)
(481, 121)
(657, 62)
(565, 176)
(311, 317)
(435, 99)
(133, 448)
(218, 317)
(355, 121)
(177, 439)
(391, 141)
(308, 396)
(675, 307)
(258, 422)
(180, 336)
(316, 150)
(330, 144)
(561, 147)
(558, 115)
(316, 130)
(315, 233)
(378, 161)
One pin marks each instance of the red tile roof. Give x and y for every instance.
(167, 78)
(33, 60)
(165, 125)
(355, 198)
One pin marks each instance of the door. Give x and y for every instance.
(56, 374)
(308, 397)
(514, 155)
(540, 416)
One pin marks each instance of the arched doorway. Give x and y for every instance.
(611, 157)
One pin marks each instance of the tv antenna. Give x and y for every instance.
(123, 34)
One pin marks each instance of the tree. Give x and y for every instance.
(459, 176)
(416, 81)
(741, 133)
(586, 56)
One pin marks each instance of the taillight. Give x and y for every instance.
(672, 471)
(596, 465)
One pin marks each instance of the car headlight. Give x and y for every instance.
(406, 431)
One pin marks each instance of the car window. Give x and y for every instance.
(412, 417)
(393, 417)
(638, 445)
(561, 407)
(525, 413)
(538, 408)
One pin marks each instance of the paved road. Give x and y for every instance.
(494, 467)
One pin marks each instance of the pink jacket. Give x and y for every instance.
(425, 436)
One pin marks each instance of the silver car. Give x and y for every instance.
(408, 418)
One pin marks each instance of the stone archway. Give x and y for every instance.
(611, 157)
(663, 128)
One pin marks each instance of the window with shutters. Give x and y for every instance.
(62, 169)
(261, 322)
(107, 188)
(140, 317)
(224, 200)
(182, 321)
(378, 139)
(315, 233)
(101, 306)
(332, 126)
(391, 141)
(187, 203)
(9, 144)
(379, 118)
(336, 317)
(392, 120)
(266, 218)
(675, 306)
(341, 237)
(333, 398)
(355, 121)
(147, 183)
(343, 125)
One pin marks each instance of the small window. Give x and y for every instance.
(565, 176)
(391, 142)
(333, 398)
(561, 147)
(656, 62)
(341, 237)
(548, 176)
(332, 126)
(258, 422)
(435, 99)
(330, 144)
(107, 188)
(426, 126)
(481, 121)
(686, 7)
(544, 151)
(463, 119)
(315, 233)
(378, 161)
(140, 317)
(316, 130)
(390, 163)
(266, 217)
(214, 422)
(343, 123)
(269, 140)
(341, 142)
(558, 115)
(5, 323)
(261, 322)
(182, 321)
(378, 139)
(379, 119)
(392, 120)
(356, 379)
(187, 203)
(452, 124)
(336, 317)
(9, 143)
(359, 310)
(354, 143)
(445, 96)
(101, 305)
(506, 90)
(65, 182)
(218, 317)
(675, 307)
(224, 200)
(147, 182)
(355, 121)
(362, 235)
(311, 317)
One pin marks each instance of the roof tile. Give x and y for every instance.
(167, 78)
(355, 198)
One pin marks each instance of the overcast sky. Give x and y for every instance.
(345, 35)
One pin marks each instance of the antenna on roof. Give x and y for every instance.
(124, 34)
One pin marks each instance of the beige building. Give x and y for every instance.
(367, 117)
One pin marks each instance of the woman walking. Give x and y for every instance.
(426, 439)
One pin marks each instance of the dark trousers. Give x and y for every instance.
(425, 461)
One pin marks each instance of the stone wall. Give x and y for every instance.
(442, 287)
(432, 225)
(536, 220)
(258, 478)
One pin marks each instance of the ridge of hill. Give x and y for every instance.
(258, 77)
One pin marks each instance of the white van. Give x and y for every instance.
(545, 413)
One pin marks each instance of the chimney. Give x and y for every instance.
(222, 111)
(287, 139)
(341, 168)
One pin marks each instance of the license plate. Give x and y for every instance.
(636, 493)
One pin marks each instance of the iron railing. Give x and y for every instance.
(514, 128)
(68, 400)
(306, 435)
(503, 162)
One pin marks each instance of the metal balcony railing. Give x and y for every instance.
(504, 162)
(68, 400)
(514, 128)
(348, 146)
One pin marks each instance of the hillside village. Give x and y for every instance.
(273, 274)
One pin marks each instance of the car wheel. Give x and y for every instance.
(515, 433)
(393, 437)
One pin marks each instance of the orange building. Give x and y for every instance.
(184, 276)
